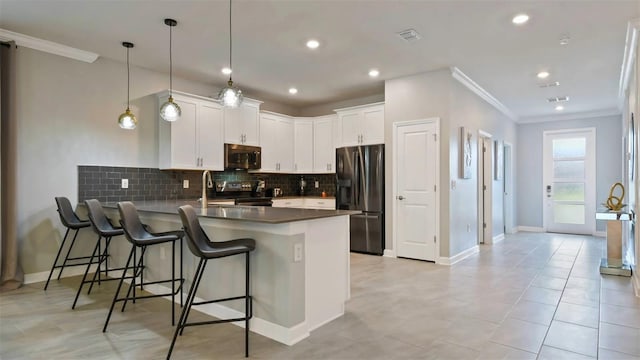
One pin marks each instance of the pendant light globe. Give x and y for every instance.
(127, 120)
(230, 96)
(170, 111)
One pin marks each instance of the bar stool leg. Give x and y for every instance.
(86, 271)
(187, 307)
(137, 266)
(115, 296)
(64, 263)
(196, 280)
(181, 276)
(64, 239)
(101, 259)
(173, 283)
(246, 310)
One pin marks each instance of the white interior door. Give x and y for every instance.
(417, 165)
(485, 182)
(508, 189)
(569, 173)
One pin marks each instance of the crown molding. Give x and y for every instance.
(630, 49)
(484, 94)
(48, 46)
(570, 116)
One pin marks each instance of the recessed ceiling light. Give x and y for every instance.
(293, 91)
(520, 19)
(543, 75)
(313, 44)
(374, 72)
(559, 108)
(564, 40)
(226, 70)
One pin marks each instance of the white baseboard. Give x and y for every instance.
(530, 229)
(459, 256)
(496, 239)
(389, 253)
(68, 272)
(600, 234)
(279, 333)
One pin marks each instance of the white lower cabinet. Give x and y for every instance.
(195, 141)
(306, 203)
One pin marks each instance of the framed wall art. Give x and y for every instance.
(465, 153)
(499, 162)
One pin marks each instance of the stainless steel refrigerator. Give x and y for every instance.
(360, 186)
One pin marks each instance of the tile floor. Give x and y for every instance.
(530, 296)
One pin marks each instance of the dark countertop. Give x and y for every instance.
(261, 214)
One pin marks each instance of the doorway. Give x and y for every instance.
(569, 175)
(508, 188)
(417, 191)
(485, 188)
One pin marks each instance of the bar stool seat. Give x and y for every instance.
(140, 236)
(72, 222)
(206, 250)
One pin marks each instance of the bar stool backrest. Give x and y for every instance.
(196, 237)
(67, 216)
(131, 224)
(99, 220)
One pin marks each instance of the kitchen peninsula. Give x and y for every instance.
(299, 270)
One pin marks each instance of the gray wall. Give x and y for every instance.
(529, 163)
(67, 114)
(437, 94)
(475, 114)
(327, 109)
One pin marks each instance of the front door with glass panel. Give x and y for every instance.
(569, 169)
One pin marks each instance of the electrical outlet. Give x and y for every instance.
(185, 184)
(297, 252)
(317, 184)
(125, 183)
(163, 254)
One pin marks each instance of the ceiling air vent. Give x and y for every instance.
(409, 35)
(551, 84)
(558, 99)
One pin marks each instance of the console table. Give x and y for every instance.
(613, 263)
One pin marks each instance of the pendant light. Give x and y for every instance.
(127, 120)
(230, 96)
(170, 111)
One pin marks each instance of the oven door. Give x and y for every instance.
(254, 202)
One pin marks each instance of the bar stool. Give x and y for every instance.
(72, 222)
(140, 237)
(205, 249)
(102, 226)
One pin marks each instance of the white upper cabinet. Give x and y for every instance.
(242, 124)
(361, 125)
(277, 134)
(324, 151)
(303, 145)
(193, 142)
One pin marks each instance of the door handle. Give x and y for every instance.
(400, 197)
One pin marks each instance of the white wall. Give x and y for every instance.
(67, 112)
(529, 163)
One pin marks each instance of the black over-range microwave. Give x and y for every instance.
(242, 157)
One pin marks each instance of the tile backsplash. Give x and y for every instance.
(104, 183)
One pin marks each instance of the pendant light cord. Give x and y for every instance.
(230, 42)
(127, 78)
(170, 63)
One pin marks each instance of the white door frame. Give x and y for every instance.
(508, 185)
(394, 208)
(481, 206)
(592, 130)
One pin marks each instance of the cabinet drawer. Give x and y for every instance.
(320, 203)
(292, 203)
